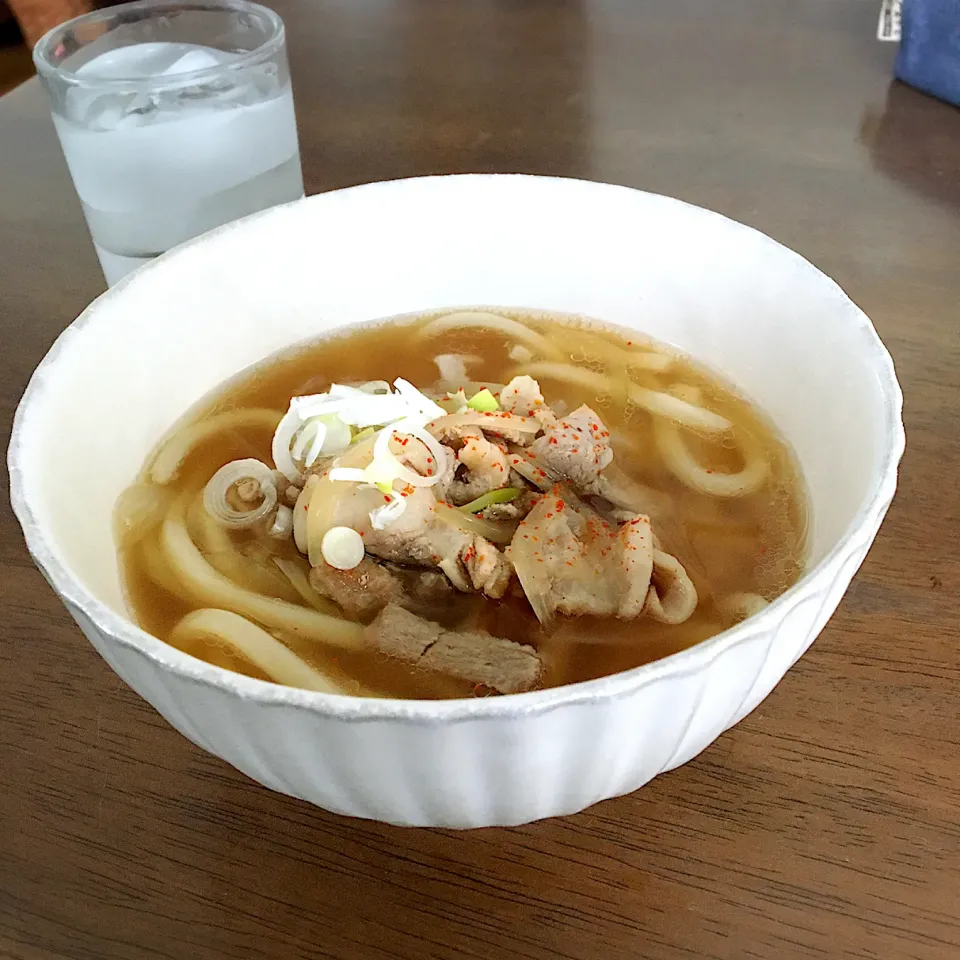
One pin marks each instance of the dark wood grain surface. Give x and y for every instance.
(827, 824)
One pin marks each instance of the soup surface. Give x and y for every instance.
(687, 514)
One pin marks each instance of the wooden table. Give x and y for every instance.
(827, 824)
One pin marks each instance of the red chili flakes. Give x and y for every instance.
(559, 505)
(541, 473)
(709, 471)
(429, 459)
(549, 515)
(386, 499)
(554, 441)
(569, 563)
(575, 450)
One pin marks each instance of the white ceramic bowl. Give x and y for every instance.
(144, 352)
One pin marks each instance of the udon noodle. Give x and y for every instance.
(461, 504)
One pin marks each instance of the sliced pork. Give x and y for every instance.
(575, 449)
(571, 561)
(478, 658)
(366, 589)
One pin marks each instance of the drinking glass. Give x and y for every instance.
(175, 116)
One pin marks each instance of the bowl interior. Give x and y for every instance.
(152, 347)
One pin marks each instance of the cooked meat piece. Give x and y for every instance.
(633, 559)
(321, 466)
(519, 430)
(575, 448)
(418, 536)
(289, 492)
(522, 396)
(516, 509)
(487, 568)
(369, 587)
(417, 456)
(528, 467)
(421, 588)
(484, 465)
(623, 493)
(425, 535)
(560, 554)
(401, 634)
(571, 561)
(484, 459)
(360, 592)
(502, 665)
(475, 657)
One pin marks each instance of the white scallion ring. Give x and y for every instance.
(227, 477)
(342, 547)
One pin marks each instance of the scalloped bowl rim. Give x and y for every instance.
(615, 686)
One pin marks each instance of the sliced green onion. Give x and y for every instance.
(363, 434)
(483, 402)
(503, 495)
(385, 487)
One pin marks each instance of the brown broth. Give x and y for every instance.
(753, 544)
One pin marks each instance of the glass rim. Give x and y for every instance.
(273, 42)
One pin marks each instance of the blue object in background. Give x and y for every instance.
(929, 56)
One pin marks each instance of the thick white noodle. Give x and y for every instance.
(738, 606)
(673, 449)
(139, 511)
(483, 320)
(300, 582)
(226, 558)
(212, 588)
(663, 405)
(167, 460)
(267, 653)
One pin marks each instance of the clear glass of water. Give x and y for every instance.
(175, 116)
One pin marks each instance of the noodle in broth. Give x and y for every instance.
(719, 492)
